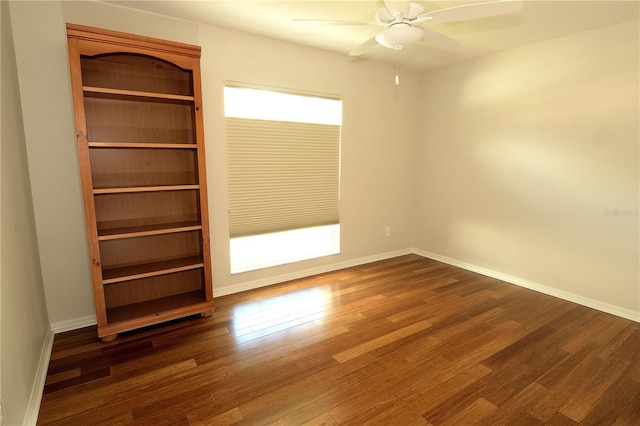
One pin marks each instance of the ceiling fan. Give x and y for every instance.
(404, 21)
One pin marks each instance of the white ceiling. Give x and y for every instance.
(539, 20)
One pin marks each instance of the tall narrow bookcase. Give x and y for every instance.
(138, 114)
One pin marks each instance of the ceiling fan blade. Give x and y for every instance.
(439, 40)
(402, 6)
(333, 22)
(369, 44)
(471, 11)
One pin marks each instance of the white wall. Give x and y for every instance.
(24, 328)
(45, 92)
(378, 136)
(528, 166)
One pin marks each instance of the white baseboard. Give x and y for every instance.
(250, 285)
(33, 408)
(565, 295)
(73, 324)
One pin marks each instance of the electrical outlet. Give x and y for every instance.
(387, 232)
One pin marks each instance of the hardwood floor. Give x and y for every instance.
(404, 341)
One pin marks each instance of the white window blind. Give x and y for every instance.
(283, 174)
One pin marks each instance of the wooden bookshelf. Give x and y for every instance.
(138, 112)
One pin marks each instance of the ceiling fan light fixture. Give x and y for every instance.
(399, 36)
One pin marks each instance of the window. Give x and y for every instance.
(284, 174)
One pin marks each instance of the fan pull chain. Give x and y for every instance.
(398, 66)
